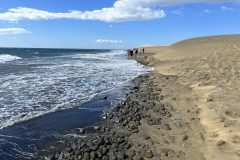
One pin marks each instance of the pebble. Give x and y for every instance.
(221, 143)
(147, 153)
(185, 137)
(137, 157)
(166, 126)
(238, 153)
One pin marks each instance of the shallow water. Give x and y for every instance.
(37, 82)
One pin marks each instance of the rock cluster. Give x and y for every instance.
(126, 116)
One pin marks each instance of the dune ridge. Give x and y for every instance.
(205, 91)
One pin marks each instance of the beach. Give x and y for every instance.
(208, 70)
(187, 108)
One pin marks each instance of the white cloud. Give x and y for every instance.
(121, 11)
(224, 8)
(108, 41)
(178, 12)
(7, 31)
(207, 11)
(115, 14)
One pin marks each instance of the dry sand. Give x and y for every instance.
(200, 80)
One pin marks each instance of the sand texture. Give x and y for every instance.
(199, 79)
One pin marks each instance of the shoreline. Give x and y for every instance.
(134, 125)
(187, 108)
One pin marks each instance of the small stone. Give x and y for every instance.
(137, 157)
(130, 153)
(147, 153)
(135, 131)
(238, 153)
(236, 139)
(214, 135)
(120, 155)
(228, 123)
(184, 137)
(146, 137)
(104, 150)
(97, 127)
(209, 100)
(51, 157)
(172, 139)
(86, 156)
(166, 126)
(221, 143)
(81, 130)
(93, 155)
(94, 148)
(222, 118)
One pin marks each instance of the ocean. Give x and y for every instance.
(47, 92)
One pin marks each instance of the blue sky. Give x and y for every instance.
(110, 24)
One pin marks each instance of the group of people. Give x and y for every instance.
(131, 52)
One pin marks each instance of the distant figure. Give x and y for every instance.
(143, 50)
(136, 51)
(131, 53)
(128, 54)
(139, 52)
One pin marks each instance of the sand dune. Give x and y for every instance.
(204, 87)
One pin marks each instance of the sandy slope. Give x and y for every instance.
(203, 85)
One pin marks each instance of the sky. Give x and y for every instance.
(113, 24)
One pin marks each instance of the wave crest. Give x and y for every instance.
(6, 58)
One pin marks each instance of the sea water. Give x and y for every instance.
(37, 82)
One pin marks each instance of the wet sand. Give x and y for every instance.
(187, 108)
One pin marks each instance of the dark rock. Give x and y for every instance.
(121, 155)
(74, 146)
(86, 156)
(93, 155)
(94, 148)
(135, 131)
(166, 151)
(137, 157)
(51, 157)
(166, 126)
(184, 137)
(112, 157)
(146, 137)
(89, 144)
(104, 150)
(221, 143)
(130, 153)
(77, 152)
(86, 149)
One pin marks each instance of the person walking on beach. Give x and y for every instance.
(131, 53)
(143, 50)
(128, 53)
(136, 51)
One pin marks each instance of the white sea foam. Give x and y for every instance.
(47, 85)
(6, 57)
